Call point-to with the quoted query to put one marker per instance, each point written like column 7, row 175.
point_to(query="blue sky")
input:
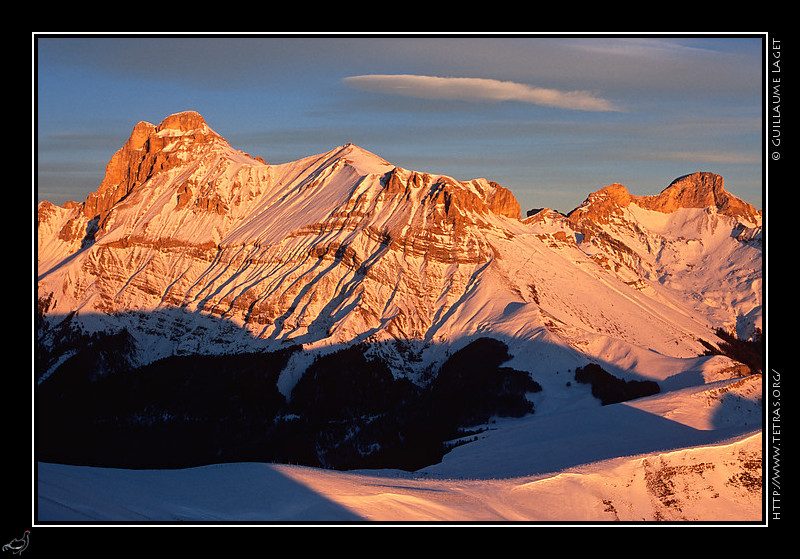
column 551, row 118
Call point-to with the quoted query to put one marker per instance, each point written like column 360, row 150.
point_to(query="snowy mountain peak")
column 364, row 160
column 150, row 150
column 345, row 246
column 204, row 306
column 701, row 190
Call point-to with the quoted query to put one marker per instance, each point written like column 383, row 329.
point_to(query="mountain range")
column 341, row 288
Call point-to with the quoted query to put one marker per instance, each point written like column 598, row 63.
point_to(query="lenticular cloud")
column 477, row 89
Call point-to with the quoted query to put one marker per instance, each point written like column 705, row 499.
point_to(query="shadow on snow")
column 347, row 410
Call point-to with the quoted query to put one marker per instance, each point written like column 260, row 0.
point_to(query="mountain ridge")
column 194, row 197
column 203, row 306
column 701, row 189
column 698, row 189
column 199, row 284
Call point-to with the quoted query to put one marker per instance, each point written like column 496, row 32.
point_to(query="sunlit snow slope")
column 197, row 248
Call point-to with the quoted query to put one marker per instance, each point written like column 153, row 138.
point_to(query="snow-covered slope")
column 344, row 246
column 193, row 247
column 687, row 454
column 709, row 483
column 690, row 454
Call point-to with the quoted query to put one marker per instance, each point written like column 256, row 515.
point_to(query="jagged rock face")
column 697, row 190
column 680, row 238
column 345, row 246
column 700, row 190
column 181, row 219
column 144, row 155
column 600, row 205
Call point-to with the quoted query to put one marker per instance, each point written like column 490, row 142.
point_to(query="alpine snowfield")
column 710, row 482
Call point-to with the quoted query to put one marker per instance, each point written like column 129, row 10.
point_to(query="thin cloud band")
column 477, row 89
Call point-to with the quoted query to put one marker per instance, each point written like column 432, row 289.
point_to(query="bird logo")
column 18, row 545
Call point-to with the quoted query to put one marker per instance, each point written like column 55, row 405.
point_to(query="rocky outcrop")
column 149, row 150
column 478, row 196
column 696, row 190
column 600, row 205
column 122, row 172
column 501, row 201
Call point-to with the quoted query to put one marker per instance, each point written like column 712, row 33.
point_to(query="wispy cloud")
column 478, row 89
column 638, row 47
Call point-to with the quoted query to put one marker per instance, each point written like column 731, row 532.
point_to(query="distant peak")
column 695, row 190
column 702, row 177
column 183, row 122
column 615, row 192
column 351, row 148
column 699, row 190
column 182, row 119
column 363, row 160
column 601, row 204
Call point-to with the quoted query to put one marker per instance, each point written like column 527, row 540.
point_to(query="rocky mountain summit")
column 190, row 248
column 344, row 245
column 697, row 190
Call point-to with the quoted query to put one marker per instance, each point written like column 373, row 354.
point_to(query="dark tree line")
column 176, row 412
column 612, row 390
column 748, row 352
column 346, row 411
